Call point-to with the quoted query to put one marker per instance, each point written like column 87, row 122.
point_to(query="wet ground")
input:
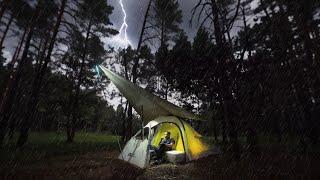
column 105, row 165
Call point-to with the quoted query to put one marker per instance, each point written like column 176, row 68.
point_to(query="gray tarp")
column 145, row 103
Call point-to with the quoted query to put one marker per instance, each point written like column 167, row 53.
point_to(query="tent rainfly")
column 159, row 116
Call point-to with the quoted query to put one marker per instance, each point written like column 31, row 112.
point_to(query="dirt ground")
column 101, row 165
column 264, row 166
column 105, row 165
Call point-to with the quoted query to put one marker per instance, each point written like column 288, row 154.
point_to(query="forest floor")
column 105, row 165
column 102, row 163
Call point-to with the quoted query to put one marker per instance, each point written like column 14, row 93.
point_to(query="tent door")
column 137, row 153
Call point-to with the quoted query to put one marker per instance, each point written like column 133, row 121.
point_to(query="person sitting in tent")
column 166, row 144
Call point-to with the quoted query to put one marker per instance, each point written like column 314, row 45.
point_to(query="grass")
column 48, row 155
column 51, row 145
column 269, row 143
column 44, row 145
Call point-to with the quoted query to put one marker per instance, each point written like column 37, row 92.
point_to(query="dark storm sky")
column 135, row 11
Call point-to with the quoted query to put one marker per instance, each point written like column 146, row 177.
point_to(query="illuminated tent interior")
column 192, row 139
column 175, row 134
column 160, row 116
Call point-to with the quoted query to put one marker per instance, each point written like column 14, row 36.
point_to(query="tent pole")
column 119, row 146
column 142, row 122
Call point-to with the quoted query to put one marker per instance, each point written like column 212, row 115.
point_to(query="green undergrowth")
column 46, row 145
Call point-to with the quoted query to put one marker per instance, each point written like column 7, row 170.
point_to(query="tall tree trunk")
column 223, row 124
column 247, row 45
column 71, row 125
column 128, row 121
column 11, row 71
column 217, row 27
column 70, row 102
column 124, row 120
column 224, row 56
column 142, row 31
column 162, row 35
column 14, row 79
column 43, row 46
column 4, row 5
column 233, row 132
column 27, row 121
column 136, row 62
column 134, row 70
column 213, row 124
column 6, row 31
column 10, row 91
column 305, row 23
column 305, row 28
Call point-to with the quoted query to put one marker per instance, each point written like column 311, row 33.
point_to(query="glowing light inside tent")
column 174, row 133
column 196, row 146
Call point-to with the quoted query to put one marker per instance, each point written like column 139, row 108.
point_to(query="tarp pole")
column 142, row 122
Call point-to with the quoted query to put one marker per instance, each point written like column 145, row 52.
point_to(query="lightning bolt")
column 123, row 30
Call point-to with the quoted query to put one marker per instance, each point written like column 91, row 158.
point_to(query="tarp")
column 145, row 103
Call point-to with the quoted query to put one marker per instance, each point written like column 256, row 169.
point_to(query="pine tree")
column 94, row 19
column 168, row 16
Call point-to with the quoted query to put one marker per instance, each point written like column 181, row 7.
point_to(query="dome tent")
column 159, row 116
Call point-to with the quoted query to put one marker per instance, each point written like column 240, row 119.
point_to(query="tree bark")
column 33, row 101
column 247, row 45
column 15, row 77
column 216, row 23
column 134, row 71
column 124, row 120
column 4, row 6
column 128, row 121
column 11, row 71
column 71, row 125
column 224, row 56
column 10, row 91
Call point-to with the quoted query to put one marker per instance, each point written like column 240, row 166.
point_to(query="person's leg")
column 153, row 152
column 159, row 151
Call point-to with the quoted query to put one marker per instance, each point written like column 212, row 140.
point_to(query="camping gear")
column 160, row 116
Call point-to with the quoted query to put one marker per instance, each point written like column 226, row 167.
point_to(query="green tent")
column 160, row 116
